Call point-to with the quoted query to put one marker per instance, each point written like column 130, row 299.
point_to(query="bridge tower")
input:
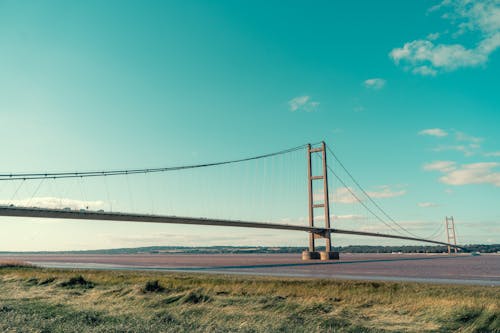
column 324, row 204
column 450, row 233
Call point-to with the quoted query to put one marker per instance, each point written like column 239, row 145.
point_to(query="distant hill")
column 492, row 248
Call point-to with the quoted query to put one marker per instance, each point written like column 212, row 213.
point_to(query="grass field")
column 48, row 300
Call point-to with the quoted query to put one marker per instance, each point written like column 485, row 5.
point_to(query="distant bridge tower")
column 324, row 204
column 450, row 233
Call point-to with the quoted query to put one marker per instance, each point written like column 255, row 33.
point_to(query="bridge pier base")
column 310, row 255
column 329, row 255
column 320, row 255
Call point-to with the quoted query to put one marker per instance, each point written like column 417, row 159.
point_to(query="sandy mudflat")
column 484, row 269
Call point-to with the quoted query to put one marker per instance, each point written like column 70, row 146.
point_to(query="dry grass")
column 101, row 301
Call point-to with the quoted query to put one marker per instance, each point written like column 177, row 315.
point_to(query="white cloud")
column 482, row 15
column 493, row 154
column 348, row 217
column 424, row 70
column 467, row 150
column 294, row 220
column 377, row 228
column 427, row 204
column 433, row 36
column 375, row 84
column 467, row 144
column 303, row 103
column 424, row 57
column 433, row 132
column 474, row 173
column 235, row 238
column 298, row 102
column 413, row 226
column 385, row 191
column 461, row 136
column 442, row 166
column 55, row 203
column 343, row 195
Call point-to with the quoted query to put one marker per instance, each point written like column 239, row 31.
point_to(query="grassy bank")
column 48, row 300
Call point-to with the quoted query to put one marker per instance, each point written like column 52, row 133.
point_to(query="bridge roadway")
column 127, row 217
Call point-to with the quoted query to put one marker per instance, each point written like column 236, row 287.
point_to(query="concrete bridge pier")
column 310, row 255
column 329, row 255
column 320, row 255
column 324, row 205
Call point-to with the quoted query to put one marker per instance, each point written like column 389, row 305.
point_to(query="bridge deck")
column 126, row 217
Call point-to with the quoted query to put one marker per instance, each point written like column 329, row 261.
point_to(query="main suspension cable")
column 361, row 202
column 57, row 175
column 368, row 196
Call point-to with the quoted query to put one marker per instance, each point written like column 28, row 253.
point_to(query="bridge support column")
column 450, row 233
column 325, row 205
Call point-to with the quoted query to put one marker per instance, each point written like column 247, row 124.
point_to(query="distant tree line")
column 483, row 248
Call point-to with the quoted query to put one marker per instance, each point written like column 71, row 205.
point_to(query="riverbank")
column 35, row 299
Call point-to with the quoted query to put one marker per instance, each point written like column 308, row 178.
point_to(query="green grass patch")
column 153, row 287
column 77, row 282
column 50, row 300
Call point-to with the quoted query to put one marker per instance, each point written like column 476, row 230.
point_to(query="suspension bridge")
column 320, row 175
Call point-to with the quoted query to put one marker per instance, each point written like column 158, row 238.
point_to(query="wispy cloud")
column 461, row 142
column 467, row 150
column 433, row 36
column 303, row 103
column 298, row 102
column 55, row 203
column 493, row 154
column 343, row 195
column 427, row 204
column 438, row 132
column 461, row 136
column 375, row 83
column 424, row 70
column 473, row 173
column 442, row 166
column 425, row 57
column 385, row 191
column 183, row 239
column 414, row 226
column 349, row 217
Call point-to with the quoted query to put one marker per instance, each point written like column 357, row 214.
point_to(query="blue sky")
column 406, row 93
